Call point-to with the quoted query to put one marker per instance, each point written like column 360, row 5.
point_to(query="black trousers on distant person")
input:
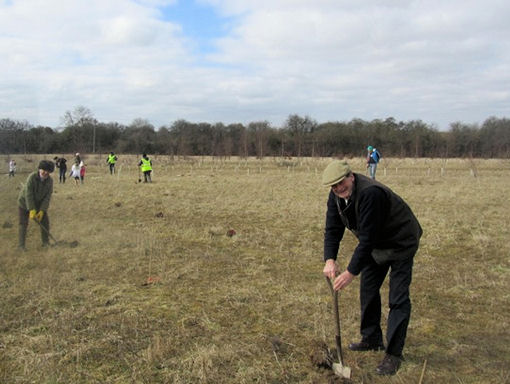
column 62, row 175
column 372, row 277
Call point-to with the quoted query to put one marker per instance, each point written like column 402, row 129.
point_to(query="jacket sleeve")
column 373, row 208
column 45, row 202
column 30, row 192
column 334, row 229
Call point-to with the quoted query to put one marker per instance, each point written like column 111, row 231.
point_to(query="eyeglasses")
column 338, row 184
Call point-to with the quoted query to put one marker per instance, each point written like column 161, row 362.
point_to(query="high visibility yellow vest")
column 111, row 159
column 146, row 165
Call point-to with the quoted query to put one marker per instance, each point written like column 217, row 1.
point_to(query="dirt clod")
column 277, row 344
column 320, row 355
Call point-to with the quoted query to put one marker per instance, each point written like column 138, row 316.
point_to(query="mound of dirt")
column 320, row 355
column 322, row 359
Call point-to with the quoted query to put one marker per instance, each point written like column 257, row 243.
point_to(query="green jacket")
column 36, row 194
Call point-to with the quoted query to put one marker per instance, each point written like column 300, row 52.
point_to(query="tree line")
column 299, row 136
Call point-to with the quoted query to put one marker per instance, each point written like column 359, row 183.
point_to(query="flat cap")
column 335, row 172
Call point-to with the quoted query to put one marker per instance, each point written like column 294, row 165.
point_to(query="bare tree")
column 82, row 118
column 299, row 128
column 261, row 130
column 78, row 117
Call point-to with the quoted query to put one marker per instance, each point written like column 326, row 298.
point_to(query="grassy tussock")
column 245, row 308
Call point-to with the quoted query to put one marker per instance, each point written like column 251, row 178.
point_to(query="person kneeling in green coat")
column 34, row 201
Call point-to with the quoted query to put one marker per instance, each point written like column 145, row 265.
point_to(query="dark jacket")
column 36, row 194
column 61, row 163
column 381, row 220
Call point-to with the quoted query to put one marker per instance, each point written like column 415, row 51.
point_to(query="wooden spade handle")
column 338, row 337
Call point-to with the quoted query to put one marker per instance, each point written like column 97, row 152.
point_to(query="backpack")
column 376, row 155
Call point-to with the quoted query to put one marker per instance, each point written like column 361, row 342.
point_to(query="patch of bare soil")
column 322, row 358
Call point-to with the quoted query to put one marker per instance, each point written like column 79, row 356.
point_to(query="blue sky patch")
column 199, row 22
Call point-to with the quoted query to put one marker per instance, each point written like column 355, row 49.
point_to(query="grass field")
column 157, row 292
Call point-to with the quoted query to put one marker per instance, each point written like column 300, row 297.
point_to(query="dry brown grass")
column 246, row 308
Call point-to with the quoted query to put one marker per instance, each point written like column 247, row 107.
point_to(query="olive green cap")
column 335, row 172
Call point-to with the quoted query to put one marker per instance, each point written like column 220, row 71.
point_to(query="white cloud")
column 334, row 60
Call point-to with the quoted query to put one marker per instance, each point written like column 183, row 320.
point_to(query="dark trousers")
column 23, row 225
column 62, row 175
column 372, row 277
column 112, row 169
column 147, row 176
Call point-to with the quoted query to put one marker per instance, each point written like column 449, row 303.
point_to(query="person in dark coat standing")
column 34, row 201
column 388, row 234
column 61, row 164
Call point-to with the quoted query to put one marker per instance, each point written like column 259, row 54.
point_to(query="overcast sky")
column 251, row 60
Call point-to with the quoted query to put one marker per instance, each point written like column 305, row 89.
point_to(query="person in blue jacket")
column 373, row 158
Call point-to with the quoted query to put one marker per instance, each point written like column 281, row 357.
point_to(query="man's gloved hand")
column 32, row 214
column 39, row 215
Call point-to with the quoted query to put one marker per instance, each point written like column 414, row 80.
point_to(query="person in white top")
column 12, row 168
column 75, row 173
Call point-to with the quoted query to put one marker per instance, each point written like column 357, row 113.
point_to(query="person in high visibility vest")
column 112, row 159
column 146, row 166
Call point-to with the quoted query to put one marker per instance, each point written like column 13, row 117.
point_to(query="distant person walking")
column 112, row 159
column 12, row 168
column 34, row 201
column 388, row 235
column 61, row 164
column 145, row 165
column 373, row 158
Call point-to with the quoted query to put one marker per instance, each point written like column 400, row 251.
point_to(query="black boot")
column 389, row 365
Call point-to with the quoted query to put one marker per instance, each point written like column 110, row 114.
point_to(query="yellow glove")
column 39, row 215
column 32, row 214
